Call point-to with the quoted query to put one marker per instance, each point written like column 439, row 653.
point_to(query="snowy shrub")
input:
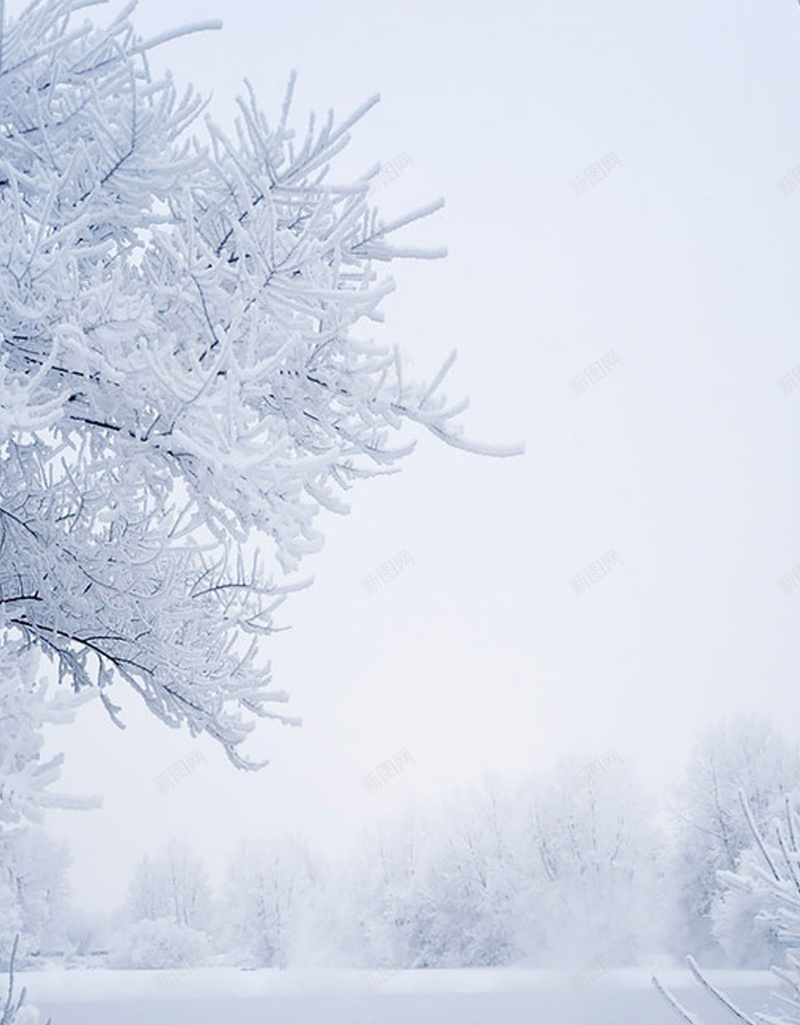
column 84, row 933
column 158, row 944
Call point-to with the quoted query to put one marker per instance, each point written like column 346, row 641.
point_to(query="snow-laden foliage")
column 494, row 875
column 591, row 867
column 28, row 703
column 384, row 907
column 33, row 887
column 533, row 874
column 266, row 889
column 538, row 873
column 179, row 368
column 712, row 832
column 33, row 893
column 748, row 937
column 174, row 886
column 767, row 883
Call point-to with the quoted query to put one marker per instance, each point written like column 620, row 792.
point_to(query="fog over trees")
column 188, row 387
column 542, row 873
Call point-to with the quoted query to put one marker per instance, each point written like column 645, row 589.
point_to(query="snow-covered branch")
column 180, row 381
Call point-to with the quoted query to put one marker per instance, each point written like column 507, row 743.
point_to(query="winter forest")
column 497, row 875
column 224, row 332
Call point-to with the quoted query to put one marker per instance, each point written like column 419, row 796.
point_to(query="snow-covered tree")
column 745, row 754
column 173, row 886
column 767, row 880
column 183, row 384
column 590, row 866
column 33, row 874
column 168, row 913
column 267, row 885
column 32, row 887
column 27, row 705
column 768, row 884
column 471, row 884
column 385, row 902
column 498, row 874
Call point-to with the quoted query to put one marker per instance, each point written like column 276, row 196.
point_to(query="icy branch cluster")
column 26, row 706
column 770, row 878
column 178, row 372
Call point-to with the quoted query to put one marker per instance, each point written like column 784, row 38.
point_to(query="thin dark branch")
column 116, row 660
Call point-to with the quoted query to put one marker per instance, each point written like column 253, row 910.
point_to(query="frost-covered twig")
column 776, row 884
column 15, row 1012
column 675, row 1003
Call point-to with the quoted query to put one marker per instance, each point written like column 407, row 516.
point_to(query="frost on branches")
column 31, row 867
column 767, row 884
column 25, row 708
column 178, row 370
column 15, row 1010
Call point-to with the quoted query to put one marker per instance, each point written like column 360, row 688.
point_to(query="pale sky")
column 684, row 261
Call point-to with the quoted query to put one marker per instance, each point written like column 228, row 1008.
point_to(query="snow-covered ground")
column 226, row 996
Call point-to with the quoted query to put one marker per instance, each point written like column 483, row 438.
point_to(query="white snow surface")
column 231, row 996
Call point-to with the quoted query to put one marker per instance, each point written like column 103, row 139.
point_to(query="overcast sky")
column 683, row 261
